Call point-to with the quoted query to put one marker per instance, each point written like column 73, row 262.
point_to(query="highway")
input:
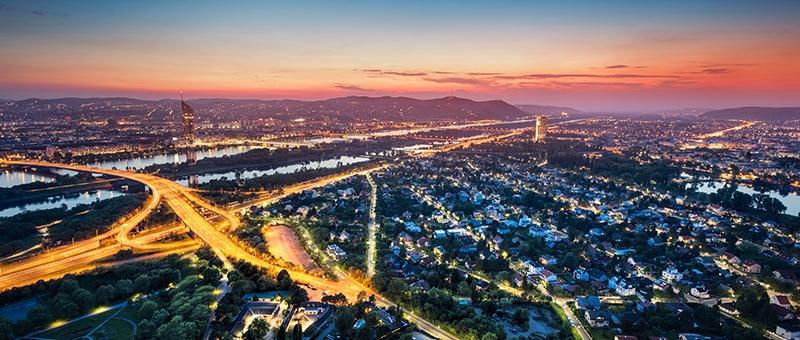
column 86, row 255
column 720, row 133
column 272, row 197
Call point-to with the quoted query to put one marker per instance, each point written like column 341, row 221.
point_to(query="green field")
column 115, row 326
column 115, row 329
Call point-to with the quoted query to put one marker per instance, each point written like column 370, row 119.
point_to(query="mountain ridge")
column 348, row 107
column 755, row 113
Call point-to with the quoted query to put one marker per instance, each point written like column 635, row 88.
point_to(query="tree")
column 297, row 332
column 177, row 329
column 124, row 287
column 83, row 298
column 147, row 310
column 39, row 315
column 344, row 321
column 364, row 333
column 741, row 201
column 160, row 316
column 64, row 307
column 105, row 294
column 5, row 329
column 257, row 330
column 520, row 317
column 489, row 308
column 281, row 334
column 339, row 299
column 146, row 330
column 68, row 286
column 753, row 302
column 569, row 261
column 299, row 296
column 284, row 280
column 142, row 283
column 489, row 336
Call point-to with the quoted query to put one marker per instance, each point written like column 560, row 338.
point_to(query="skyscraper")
column 188, row 120
column 541, row 129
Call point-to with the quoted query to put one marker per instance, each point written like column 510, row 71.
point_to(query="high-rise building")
column 541, row 129
column 188, row 120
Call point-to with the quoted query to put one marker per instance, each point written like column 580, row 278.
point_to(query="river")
column 57, row 201
column 288, row 169
column 10, row 178
column 175, row 157
column 791, row 201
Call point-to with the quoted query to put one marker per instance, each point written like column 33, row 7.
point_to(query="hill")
column 548, row 110
column 755, row 113
column 343, row 108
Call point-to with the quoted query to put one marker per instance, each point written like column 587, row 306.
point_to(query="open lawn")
column 115, row 328
column 111, row 324
column 77, row 328
column 18, row 310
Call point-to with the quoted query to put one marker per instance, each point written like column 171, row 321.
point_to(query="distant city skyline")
column 610, row 56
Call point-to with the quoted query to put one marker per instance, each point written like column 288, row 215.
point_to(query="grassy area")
column 117, row 329
column 129, row 313
column 114, row 328
column 78, row 328
column 564, row 320
column 18, row 310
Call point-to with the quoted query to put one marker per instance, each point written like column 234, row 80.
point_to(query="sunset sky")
column 598, row 55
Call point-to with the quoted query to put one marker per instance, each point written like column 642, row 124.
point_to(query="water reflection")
column 791, row 200
column 247, row 174
column 58, row 201
column 10, row 178
column 177, row 157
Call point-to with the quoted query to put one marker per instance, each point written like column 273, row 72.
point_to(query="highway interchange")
column 191, row 210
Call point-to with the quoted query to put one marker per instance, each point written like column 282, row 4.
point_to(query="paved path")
column 32, row 335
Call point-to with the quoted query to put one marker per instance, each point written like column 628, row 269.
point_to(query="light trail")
column 371, row 227
column 720, row 133
column 85, row 255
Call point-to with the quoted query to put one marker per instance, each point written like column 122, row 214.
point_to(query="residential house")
column 590, row 302
column 729, row 308
column 788, row 331
column 671, row 275
column 752, row 267
column 784, row 275
column 596, row 318
column 337, row 253
column 781, row 300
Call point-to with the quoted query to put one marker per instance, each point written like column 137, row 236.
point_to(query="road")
column 272, row 197
column 371, row 227
column 720, row 133
column 185, row 204
column 422, row 324
column 561, row 302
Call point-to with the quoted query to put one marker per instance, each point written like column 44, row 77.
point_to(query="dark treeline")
column 269, row 158
column 101, row 216
column 221, row 191
column 19, row 190
column 20, row 231
column 74, row 296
